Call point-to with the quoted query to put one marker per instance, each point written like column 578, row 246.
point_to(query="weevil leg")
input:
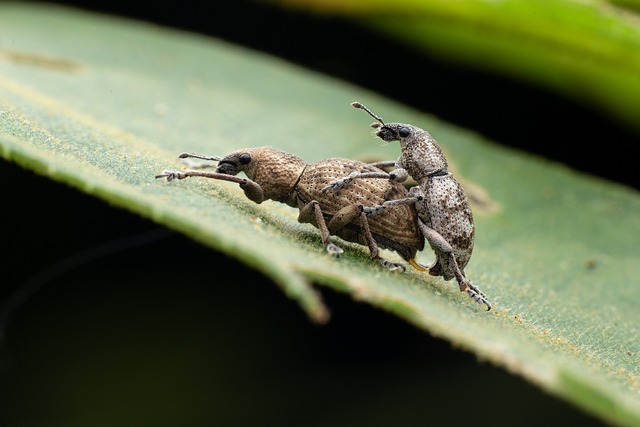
column 342, row 182
column 312, row 214
column 384, row 164
column 373, row 248
column 251, row 189
column 353, row 212
column 397, row 175
column 445, row 254
column 478, row 296
column 472, row 290
column 339, row 183
column 375, row 210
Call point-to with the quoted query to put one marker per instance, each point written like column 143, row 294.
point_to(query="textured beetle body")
column 446, row 219
column 284, row 177
column 451, row 217
column 384, row 227
column 444, row 207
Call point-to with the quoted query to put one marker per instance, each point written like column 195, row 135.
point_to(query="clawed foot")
column 478, row 296
column 334, row 250
column 339, row 183
column 392, row 266
column 171, row 175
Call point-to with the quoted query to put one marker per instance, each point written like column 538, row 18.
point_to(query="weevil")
column 273, row 174
column 446, row 219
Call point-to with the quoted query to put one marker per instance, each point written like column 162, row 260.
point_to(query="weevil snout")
column 227, row 168
column 393, row 131
column 234, row 163
column 386, row 134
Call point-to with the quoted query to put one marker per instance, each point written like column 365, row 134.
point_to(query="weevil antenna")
column 362, row 107
column 199, row 156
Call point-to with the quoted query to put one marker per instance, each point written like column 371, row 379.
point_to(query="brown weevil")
column 446, row 220
column 284, row 177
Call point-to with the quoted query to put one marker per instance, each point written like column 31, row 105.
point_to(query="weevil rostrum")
column 277, row 175
column 446, row 219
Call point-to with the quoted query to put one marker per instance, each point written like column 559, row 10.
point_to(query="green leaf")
column 556, row 251
column 585, row 50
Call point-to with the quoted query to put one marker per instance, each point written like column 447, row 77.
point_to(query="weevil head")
column 234, row 163
column 397, row 132
column 392, row 131
column 421, row 154
column 274, row 170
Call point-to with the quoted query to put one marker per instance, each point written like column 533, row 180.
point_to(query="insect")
column 446, row 220
column 284, row 177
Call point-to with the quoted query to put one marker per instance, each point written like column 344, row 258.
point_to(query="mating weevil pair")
column 276, row 175
column 375, row 209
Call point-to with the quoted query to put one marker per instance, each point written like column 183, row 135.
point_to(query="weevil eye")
column 404, row 132
column 244, row 158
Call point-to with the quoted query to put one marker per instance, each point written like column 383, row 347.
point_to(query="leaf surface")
column 556, row 251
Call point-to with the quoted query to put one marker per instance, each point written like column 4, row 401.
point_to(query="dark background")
column 108, row 341
column 506, row 111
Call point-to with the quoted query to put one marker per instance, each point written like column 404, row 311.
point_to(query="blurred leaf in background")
column 472, row 60
column 587, row 50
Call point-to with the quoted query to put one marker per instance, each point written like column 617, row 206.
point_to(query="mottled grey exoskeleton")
column 446, row 220
column 286, row 178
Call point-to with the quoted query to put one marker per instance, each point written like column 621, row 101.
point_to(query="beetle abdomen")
column 394, row 229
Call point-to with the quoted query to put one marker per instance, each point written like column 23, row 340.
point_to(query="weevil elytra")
column 446, row 219
column 284, row 177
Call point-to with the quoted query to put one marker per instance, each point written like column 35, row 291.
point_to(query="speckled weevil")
column 286, row 178
column 446, row 220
